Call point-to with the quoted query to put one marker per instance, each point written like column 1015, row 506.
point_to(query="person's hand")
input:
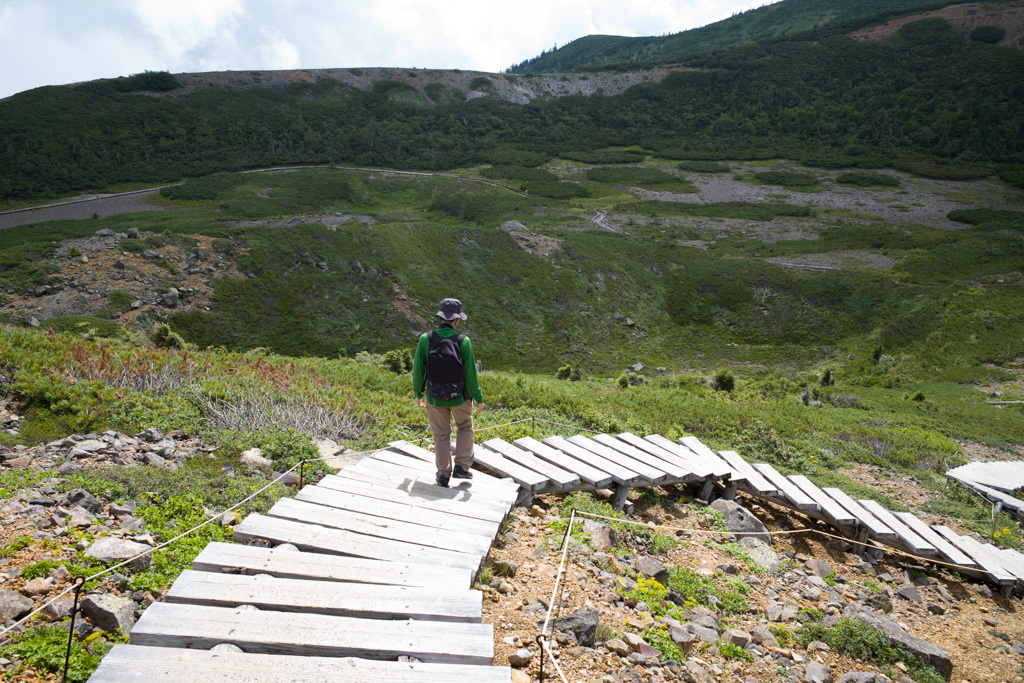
column 421, row 402
column 479, row 408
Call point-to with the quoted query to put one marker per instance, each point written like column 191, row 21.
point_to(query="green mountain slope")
column 834, row 101
column 771, row 21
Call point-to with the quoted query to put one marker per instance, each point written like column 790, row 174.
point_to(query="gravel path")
column 101, row 206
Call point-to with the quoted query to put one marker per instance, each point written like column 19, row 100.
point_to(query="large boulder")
column 13, row 605
column 582, row 624
column 602, row 536
column 112, row 613
column 738, row 519
column 651, row 568
column 761, row 553
column 111, row 549
column 83, row 498
column 929, row 653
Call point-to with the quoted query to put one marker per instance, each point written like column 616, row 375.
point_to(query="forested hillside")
column 923, row 97
column 770, row 21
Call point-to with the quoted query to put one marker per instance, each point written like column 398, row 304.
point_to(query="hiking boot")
column 442, row 480
column 460, row 473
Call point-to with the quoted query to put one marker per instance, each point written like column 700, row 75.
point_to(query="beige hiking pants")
column 441, row 425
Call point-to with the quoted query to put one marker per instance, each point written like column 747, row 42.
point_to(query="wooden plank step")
column 750, row 477
column 531, row 480
column 1007, row 477
column 830, row 508
column 507, row 486
column 1006, row 560
column 456, row 500
column 563, row 478
column 380, row 527
column 142, row 664
column 320, row 539
column 907, row 536
column 363, row 600
column 591, row 475
column 231, row 558
column 786, row 488
column 398, row 511
column 650, row 475
column 426, row 456
column 494, row 488
column 683, row 458
column 675, row 472
column 876, row 527
column 428, row 488
column 620, row 474
column 1009, row 502
column 720, row 468
column 977, row 553
column 288, row 633
column 703, row 464
column 946, row 549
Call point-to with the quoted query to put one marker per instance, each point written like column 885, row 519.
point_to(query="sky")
column 53, row 42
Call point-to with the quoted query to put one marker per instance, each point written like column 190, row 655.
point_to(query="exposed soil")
column 101, row 206
column 965, row 18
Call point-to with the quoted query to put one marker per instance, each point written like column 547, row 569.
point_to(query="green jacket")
column 419, row 369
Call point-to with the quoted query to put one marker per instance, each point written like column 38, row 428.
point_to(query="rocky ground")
column 966, row 632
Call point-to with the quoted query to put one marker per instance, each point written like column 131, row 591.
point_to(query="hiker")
column 444, row 381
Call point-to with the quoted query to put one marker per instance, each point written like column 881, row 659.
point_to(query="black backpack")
column 445, row 378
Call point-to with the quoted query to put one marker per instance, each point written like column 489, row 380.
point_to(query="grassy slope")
column 770, row 21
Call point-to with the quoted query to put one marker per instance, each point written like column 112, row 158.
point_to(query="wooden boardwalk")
column 373, row 566
column 996, row 481
column 365, row 576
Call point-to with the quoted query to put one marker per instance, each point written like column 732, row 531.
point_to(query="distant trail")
column 112, row 204
column 600, row 219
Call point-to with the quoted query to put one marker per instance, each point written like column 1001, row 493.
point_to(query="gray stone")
column 151, row 255
column 582, row 624
column 817, row 672
column 520, row 658
column 931, row 654
column 84, row 499
column 909, row 593
column 602, row 536
column 618, row 647
column 819, row 568
column 762, row 636
column 133, row 233
column 67, row 468
column 37, row 586
column 860, row 677
column 683, row 638
column 740, row 520
column 936, row 609
column 1017, row 648
column 110, row 549
column 112, row 613
column 761, row 553
column 705, row 634
column 13, row 605
column 513, row 226
column 652, row 568
column 254, row 458
column 737, row 637
column 60, row 609
column 105, row 232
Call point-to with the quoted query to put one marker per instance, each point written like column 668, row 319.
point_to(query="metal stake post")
column 79, row 582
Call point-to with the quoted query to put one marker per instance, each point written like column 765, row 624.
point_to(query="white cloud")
column 276, row 51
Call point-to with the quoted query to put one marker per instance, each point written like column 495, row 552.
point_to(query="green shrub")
column 703, row 167
column 525, row 173
column 866, row 179
column 435, row 91
column 986, row 216
column 207, row 187
column 786, row 178
column 657, row 637
column 632, row 175
column 988, row 34
column 605, row 156
column 1013, row 177
column 289, row 447
column 132, row 245
column 481, row 83
column 723, row 381
column 930, row 169
column 570, row 372
column 165, row 337
column 222, row 245
column 43, row 648
column 556, row 190
column 84, row 325
column 744, row 210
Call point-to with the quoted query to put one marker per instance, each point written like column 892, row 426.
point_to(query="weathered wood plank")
column 428, row 457
column 342, row 542
column 786, row 488
column 946, row 549
column 997, row 574
column 232, row 558
column 702, row 463
column 591, row 475
column 1006, row 560
column 528, row 479
column 198, row 626
column 380, row 527
column 681, row 457
column 907, row 536
column 720, row 468
column 876, row 527
column 505, row 487
column 563, row 478
column 676, row 473
column 620, row 474
column 1009, row 502
column 649, row 475
column 829, row 507
column 374, row 467
column 481, row 500
column 363, row 600
column 398, row 511
column 457, row 500
column 142, row 664
column 752, row 479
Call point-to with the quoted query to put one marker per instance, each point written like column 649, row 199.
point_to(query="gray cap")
column 451, row 309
